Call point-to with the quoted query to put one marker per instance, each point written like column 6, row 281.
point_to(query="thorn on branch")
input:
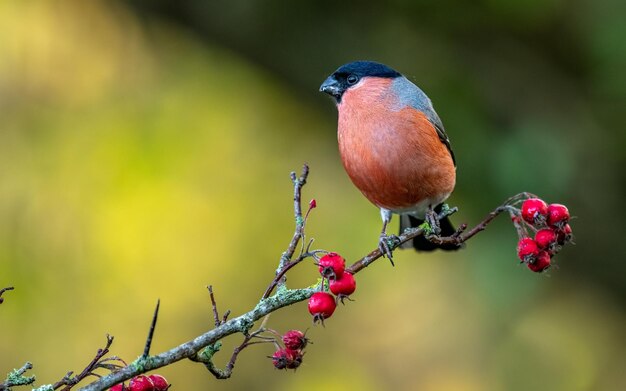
column 146, row 349
column 9, row 288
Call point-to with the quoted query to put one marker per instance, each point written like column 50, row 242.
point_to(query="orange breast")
column 394, row 157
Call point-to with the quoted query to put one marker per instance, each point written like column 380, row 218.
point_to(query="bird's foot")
column 433, row 222
column 386, row 244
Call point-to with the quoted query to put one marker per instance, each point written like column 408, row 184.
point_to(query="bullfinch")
column 393, row 147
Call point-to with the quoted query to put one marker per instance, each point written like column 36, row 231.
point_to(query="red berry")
column 118, row 387
column 331, row 265
column 564, row 235
column 160, row 383
column 527, row 249
column 296, row 359
column 295, row 340
column 321, row 306
column 344, row 285
column 558, row 215
column 280, row 358
column 546, row 239
column 287, row 358
column 535, row 211
column 541, row 263
column 141, row 383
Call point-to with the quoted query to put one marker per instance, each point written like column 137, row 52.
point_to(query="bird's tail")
column 420, row 243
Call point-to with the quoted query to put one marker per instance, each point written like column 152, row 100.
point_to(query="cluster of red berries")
column 341, row 283
column 290, row 357
column 143, row 383
column 552, row 232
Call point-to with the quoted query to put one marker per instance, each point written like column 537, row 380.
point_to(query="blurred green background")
column 145, row 149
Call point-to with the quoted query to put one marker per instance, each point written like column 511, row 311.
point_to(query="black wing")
column 444, row 138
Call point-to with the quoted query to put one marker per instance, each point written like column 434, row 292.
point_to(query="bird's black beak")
column 332, row 87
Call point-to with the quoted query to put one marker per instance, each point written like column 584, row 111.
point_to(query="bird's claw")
column 386, row 244
column 433, row 222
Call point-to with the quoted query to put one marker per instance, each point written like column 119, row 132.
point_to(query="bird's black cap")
column 349, row 74
column 367, row 68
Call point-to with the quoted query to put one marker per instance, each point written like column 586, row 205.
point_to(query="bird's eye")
column 352, row 79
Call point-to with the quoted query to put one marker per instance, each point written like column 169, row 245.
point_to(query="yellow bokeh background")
column 138, row 162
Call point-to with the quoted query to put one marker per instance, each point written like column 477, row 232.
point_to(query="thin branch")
column 285, row 269
column 298, row 183
column 216, row 315
column 247, row 341
column 68, row 381
column 462, row 238
column 16, row 378
column 285, row 260
column 225, row 317
column 457, row 238
column 505, row 207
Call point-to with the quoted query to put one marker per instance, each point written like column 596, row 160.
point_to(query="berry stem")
column 519, row 224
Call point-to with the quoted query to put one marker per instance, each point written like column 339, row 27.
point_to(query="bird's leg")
column 386, row 243
column 433, row 222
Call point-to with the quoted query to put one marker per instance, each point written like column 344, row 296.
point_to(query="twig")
column 214, row 305
column 225, row 317
column 285, row 260
column 247, row 341
column 286, row 268
column 68, row 381
column 457, row 238
column 216, row 316
column 9, row 288
column 298, row 183
column 16, row 378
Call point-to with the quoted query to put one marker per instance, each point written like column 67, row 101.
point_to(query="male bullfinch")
column 393, row 147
